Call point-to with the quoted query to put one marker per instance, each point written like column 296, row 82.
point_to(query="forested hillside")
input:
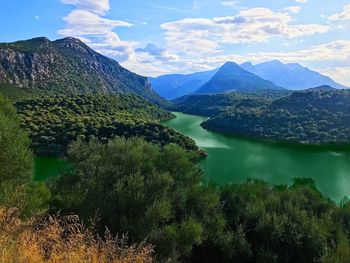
column 28, row 233
column 212, row 104
column 67, row 66
column 158, row 197
column 55, row 121
column 316, row 116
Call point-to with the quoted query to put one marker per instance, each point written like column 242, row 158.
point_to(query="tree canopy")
column 141, row 189
column 16, row 165
column 315, row 116
column 53, row 122
column 157, row 194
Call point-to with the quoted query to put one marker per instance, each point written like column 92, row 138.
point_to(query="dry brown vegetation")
column 55, row 239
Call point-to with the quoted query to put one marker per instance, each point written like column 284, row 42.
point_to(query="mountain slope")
column 231, row 77
column 315, row 116
column 67, row 66
column 290, row 76
column 210, row 105
column 173, row 86
column 55, row 121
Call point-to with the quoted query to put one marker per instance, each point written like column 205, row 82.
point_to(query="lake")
column 232, row 160
column 46, row 167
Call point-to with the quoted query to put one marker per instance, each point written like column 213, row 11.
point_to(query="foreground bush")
column 16, row 166
column 157, row 194
column 62, row 240
column 141, row 189
column 16, row 160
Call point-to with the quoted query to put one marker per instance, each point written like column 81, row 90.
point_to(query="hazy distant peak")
column 273, row 62
column 291, row 76
column 230, row 64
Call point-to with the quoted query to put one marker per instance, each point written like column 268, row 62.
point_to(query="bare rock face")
column 67, row 66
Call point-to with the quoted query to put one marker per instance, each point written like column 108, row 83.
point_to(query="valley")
column 235, row 160
column 233, row 166
column 318, row 116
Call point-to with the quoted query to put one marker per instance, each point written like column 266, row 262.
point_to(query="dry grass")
column 56, row 239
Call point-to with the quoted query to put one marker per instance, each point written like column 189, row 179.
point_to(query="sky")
column 159, row 37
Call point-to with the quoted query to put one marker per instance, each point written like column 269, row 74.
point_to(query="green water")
column 46, row 167
column 232, row 159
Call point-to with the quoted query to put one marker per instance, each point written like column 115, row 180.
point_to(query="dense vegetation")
column 27, row 233
column 156, row 194
column 14, row 93
column 16, row 166
column 140, row 189
column 315, row 116
column 55, row 121
column 212, row 105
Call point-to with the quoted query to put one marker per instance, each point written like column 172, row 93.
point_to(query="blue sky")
column 182, row 36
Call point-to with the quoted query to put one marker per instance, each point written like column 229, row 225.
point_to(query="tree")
column 16, row 166
column 16, row 160
column 141, row 189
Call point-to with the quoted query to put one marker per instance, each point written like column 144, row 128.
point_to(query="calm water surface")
column 46, row 167
column 232, row 159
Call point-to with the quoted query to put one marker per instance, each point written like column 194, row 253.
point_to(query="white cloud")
column 95, row 6
column 87, row 23
column 293, row 9
column 37, row 17
column 84, row 23
column 335, row 52
column 342, row 16
column 193, row 44
column 203, row 35
column 158, row 53
column 332, row 59
column 302, row 1
column 229, row 3
column 340, row 74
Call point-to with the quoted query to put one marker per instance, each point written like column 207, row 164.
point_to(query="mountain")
column 290, row 76
column 173, row 86
column 231, row 77
column 67, row 66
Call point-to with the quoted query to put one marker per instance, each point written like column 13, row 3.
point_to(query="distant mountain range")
column 67, row 66
column 231, row 77
column 270, row 75
column 290, row 76
column 176, row 85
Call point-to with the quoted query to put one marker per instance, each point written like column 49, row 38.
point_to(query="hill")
column 173, row 86
column 67, row 66
column 314, row 116
column 210, row 105
column 53, row 122
column 231, row 77
column 290, row 76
